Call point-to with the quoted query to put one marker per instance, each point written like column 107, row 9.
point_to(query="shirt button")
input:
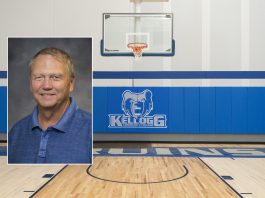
column 42, row 153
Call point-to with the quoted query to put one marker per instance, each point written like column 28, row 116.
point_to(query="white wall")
column 209, row 34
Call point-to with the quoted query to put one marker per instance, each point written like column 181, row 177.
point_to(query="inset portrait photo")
column 50, row 100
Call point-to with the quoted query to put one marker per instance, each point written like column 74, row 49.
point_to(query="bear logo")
column 137, row 104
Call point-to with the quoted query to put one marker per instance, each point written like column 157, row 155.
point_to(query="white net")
column 137, row 49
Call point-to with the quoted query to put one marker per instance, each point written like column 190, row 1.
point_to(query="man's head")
column 51, row 77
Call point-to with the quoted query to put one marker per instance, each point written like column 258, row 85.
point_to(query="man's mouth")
column 47, row 94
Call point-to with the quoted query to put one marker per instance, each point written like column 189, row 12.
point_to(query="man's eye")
column 38, row 78
column 55, row 78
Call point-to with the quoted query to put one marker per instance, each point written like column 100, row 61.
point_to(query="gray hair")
column 59, row 55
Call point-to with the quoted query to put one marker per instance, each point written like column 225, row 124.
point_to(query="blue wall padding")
column 179, row 74
column 202, row 110
column 239, row 109
column 223, row 109
column 3, row 109
column 207, row 113
column 255, row 110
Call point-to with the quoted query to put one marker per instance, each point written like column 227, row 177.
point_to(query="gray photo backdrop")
column 21, row 50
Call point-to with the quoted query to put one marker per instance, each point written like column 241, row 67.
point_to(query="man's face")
column 50, row 82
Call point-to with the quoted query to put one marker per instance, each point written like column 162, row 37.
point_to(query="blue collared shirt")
column 68, row 141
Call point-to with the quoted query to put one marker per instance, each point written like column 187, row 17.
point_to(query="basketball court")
column 178, row 100
column 128, row 170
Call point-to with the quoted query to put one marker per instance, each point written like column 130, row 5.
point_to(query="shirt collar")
column 63, row 124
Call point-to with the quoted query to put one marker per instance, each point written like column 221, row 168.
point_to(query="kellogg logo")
column 136, row 108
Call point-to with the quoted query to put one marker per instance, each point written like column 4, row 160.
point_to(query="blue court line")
column 223, row 152
column 227, row 177
column 179, row 75
column 3, row 74
column 183, row 152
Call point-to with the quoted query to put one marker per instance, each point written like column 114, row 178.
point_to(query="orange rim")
column 137, row 45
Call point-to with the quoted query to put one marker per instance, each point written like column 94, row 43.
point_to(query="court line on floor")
column 47, row 182
column 152, row 182
column 220, row 178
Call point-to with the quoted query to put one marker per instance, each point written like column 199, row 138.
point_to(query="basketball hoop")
column 137, row 49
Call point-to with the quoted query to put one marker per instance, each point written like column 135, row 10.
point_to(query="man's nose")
column 47, row 84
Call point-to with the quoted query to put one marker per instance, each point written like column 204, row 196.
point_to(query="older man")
column 57, row 131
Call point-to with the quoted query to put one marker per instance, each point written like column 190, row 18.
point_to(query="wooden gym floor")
column 131, row 174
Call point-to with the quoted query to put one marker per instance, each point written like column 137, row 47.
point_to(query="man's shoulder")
column 23, row 122
column 82, row 118
column 82, row 114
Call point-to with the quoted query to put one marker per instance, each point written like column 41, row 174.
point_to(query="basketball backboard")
column 154, row 29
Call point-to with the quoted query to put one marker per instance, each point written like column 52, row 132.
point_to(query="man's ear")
column 72, row 84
